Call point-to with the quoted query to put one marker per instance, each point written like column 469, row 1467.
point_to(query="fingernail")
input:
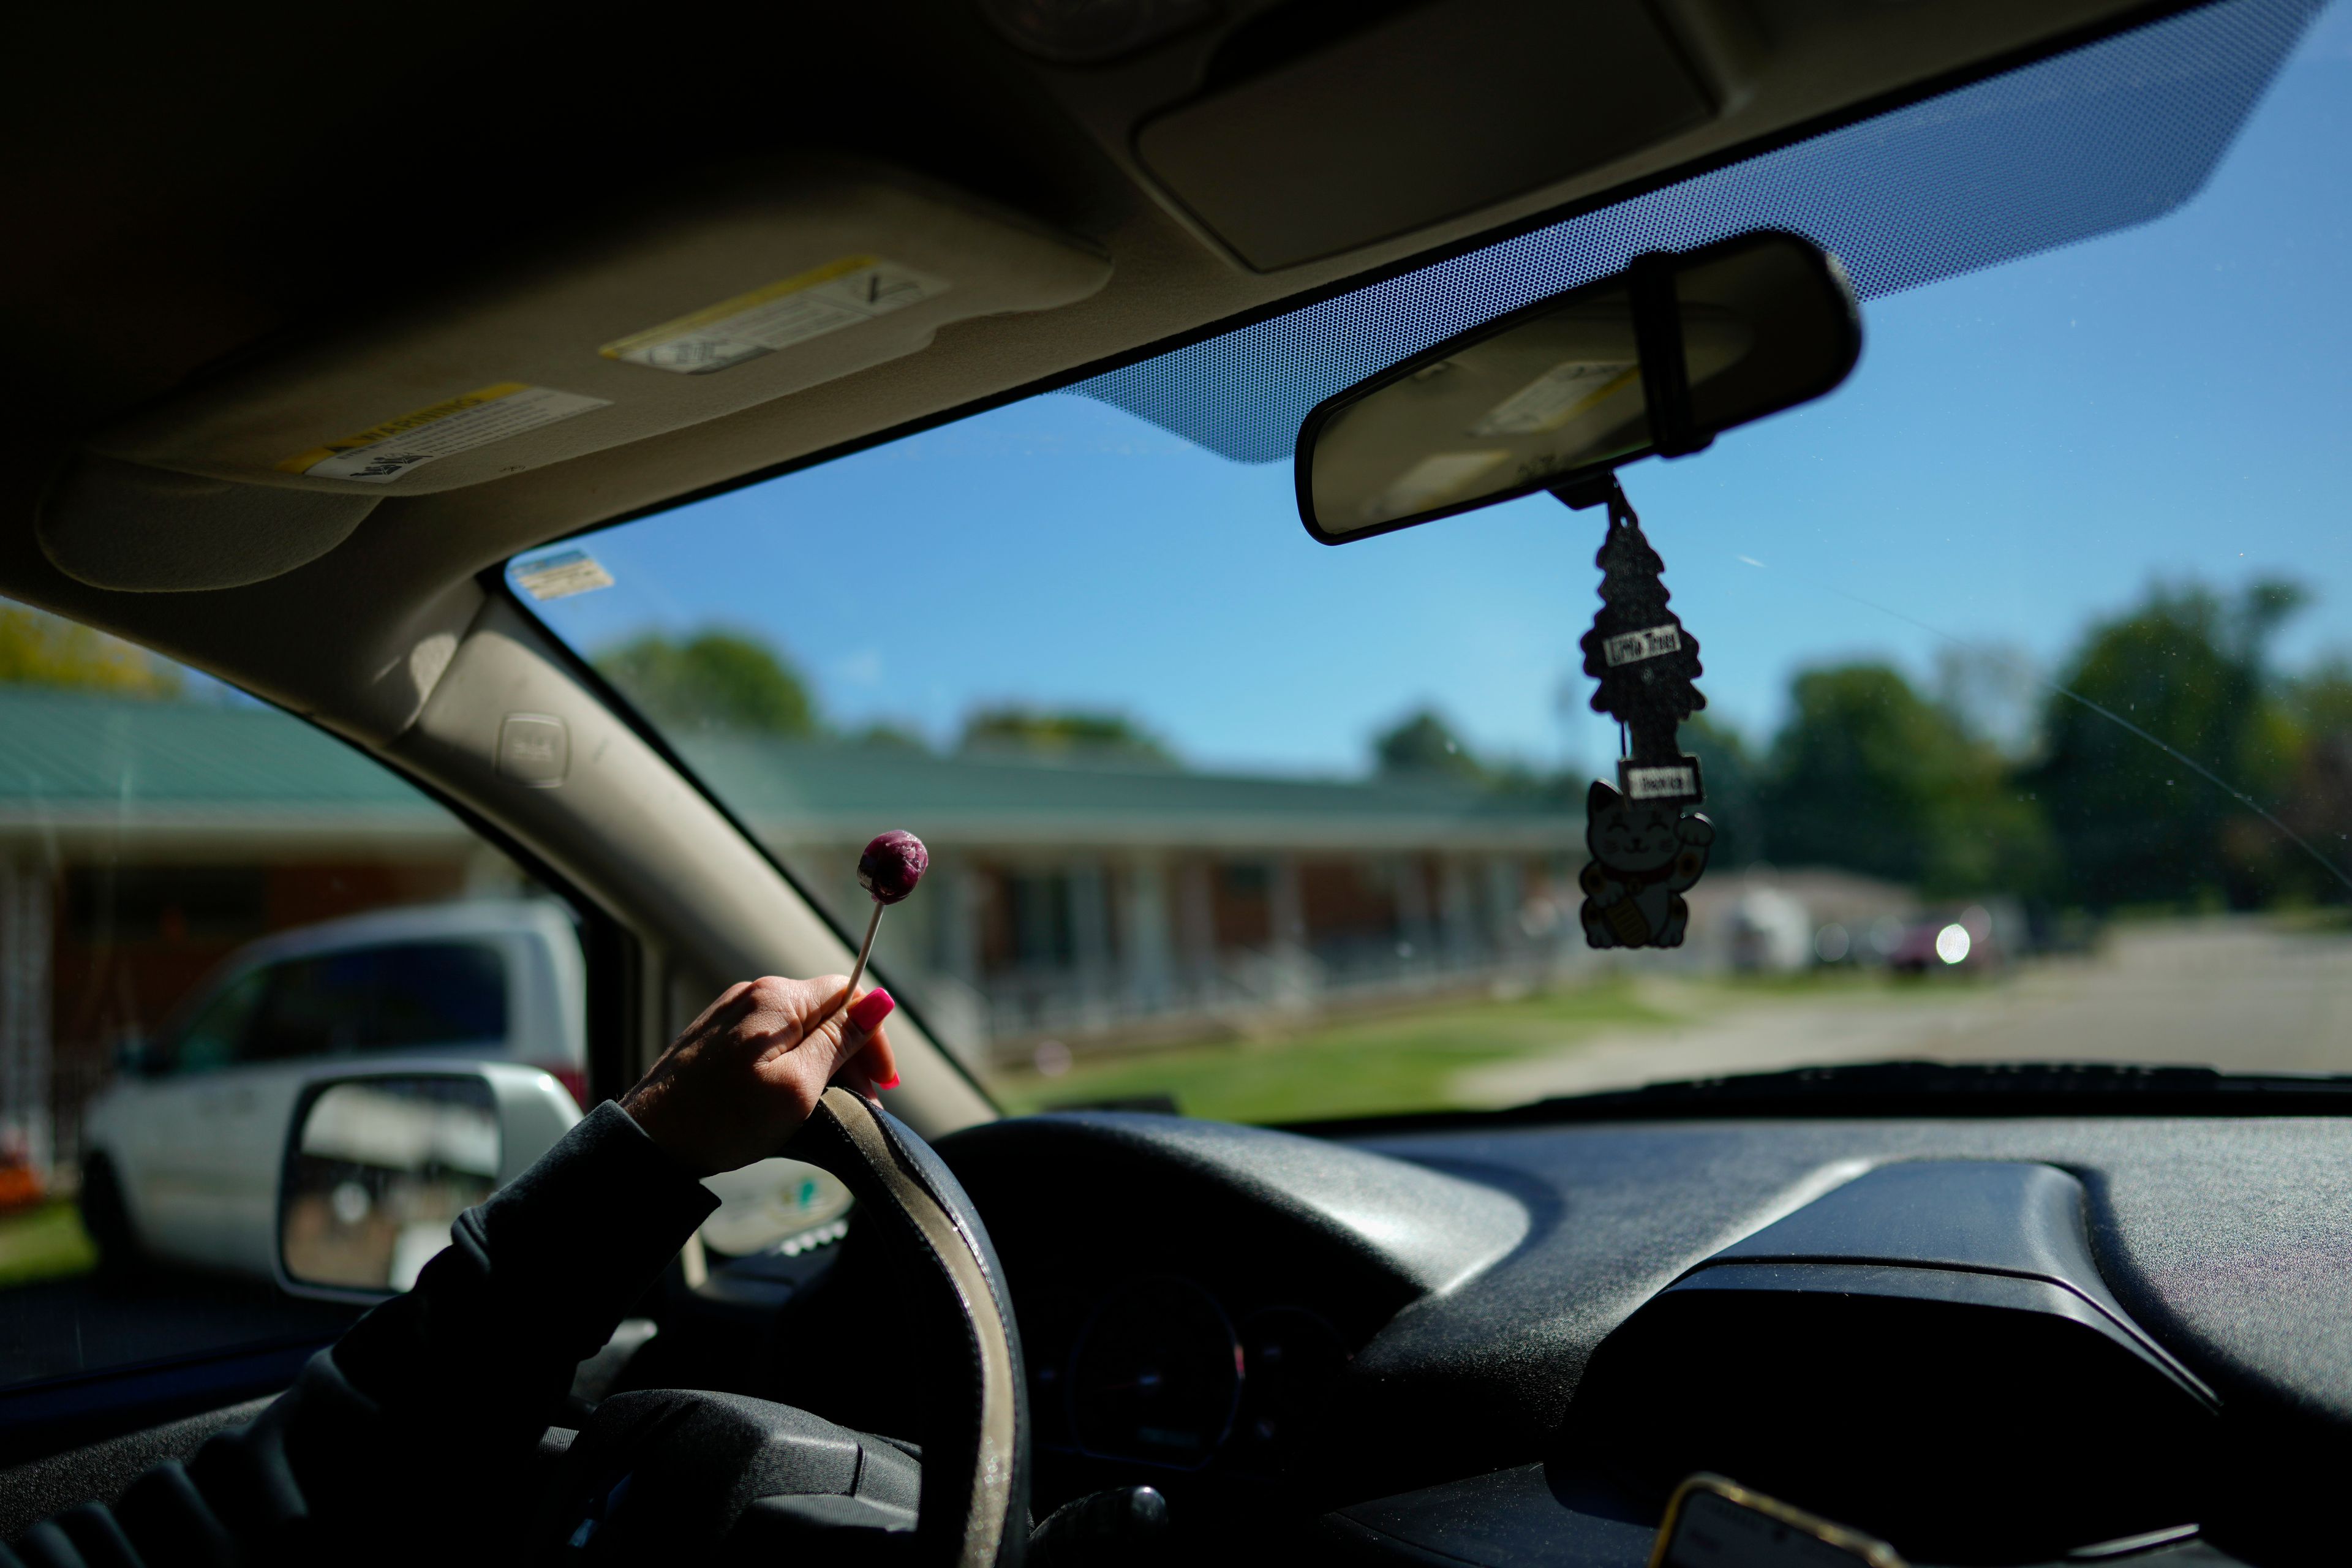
column 871, row 1009
column 892, row 1083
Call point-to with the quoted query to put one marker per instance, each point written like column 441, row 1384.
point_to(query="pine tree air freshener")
column 1648, row 848
column 1656, row 359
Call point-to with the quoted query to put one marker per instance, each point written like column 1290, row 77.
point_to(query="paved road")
column 2235, row 993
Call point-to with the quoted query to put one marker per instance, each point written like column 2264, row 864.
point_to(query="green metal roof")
column 76, row 757
column 70, row 748
column 809, row 791
column 83, row 772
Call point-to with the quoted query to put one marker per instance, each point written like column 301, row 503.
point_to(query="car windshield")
column 2028, row 658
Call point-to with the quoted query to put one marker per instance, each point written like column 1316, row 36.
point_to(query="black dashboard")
column 1193, row 1295
column 1988, row 1341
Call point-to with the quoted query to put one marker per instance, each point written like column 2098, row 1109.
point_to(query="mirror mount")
column 1591, row 490
column 1665, row 364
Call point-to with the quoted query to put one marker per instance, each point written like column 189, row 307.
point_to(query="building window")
column 1041, row 934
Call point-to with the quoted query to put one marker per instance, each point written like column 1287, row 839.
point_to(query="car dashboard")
column 1192, row 1304
column 1984, row 1340
column 1987, row 1339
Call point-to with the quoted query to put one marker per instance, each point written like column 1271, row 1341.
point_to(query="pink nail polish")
column 871, row 1009
column 893, row 1083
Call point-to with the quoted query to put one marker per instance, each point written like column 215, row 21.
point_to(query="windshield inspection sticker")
column 824, row 300
column 382, row 453
column 560, row 575
column 1556, row 396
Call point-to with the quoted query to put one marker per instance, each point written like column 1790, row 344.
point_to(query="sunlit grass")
column 1401, row 1060
column 43, row 1242
column 1410, row 1058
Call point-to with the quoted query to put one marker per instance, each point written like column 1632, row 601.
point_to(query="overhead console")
column 1286, row 131
column 1291, row 153
column 1289, row 132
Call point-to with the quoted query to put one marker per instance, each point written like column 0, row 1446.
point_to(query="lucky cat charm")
column 1645, row 854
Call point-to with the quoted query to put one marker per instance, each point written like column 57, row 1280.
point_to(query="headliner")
column 194, row 190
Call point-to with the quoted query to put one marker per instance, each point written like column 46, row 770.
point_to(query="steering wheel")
column 670, row 1475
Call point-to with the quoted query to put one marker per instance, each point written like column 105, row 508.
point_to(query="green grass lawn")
column 1402, row 1060
column 43, row 1242
column 1407, row 1059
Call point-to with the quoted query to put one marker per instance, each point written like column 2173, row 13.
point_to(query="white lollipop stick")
column 864, row 951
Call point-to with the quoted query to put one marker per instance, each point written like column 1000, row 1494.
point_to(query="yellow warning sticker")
column 822, row 299
column 382, row 453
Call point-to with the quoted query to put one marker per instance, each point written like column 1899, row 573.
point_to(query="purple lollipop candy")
column 892, row 864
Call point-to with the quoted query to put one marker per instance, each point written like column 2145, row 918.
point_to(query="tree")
column 715, row 679
column 2297, row 760
column 1423, row 745
column 1869, row 775
column 883, row 735
column 2184, row 669
column 1733, row 782
column 1062, row 733
column 40, row 650
column 1992, row 693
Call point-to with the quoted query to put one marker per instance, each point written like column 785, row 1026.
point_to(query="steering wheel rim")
column 974, row 1511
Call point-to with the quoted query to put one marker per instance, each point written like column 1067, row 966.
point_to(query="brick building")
column 1093, row 897
column 142, row 842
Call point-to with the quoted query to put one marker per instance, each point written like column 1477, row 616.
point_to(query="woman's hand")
column 743, row 1076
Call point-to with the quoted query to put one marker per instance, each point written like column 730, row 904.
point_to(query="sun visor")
column 672, row 316
column 139, row 530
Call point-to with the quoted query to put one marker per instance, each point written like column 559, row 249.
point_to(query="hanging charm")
column 1647, row 849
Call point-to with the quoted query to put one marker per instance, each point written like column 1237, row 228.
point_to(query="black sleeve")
column 416, row 1428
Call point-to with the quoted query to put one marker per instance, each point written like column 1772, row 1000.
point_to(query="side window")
column 216, row 1036
column 200, row 899
column 439, row 993
column 399, row 997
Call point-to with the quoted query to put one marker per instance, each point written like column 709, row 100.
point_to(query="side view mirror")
column 378, row 1165
column 1654, row 361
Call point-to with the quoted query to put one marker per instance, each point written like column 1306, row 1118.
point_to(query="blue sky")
column 2020, row 452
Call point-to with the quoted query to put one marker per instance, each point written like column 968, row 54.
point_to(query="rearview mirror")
column 1657, row 359
column 378, row 1167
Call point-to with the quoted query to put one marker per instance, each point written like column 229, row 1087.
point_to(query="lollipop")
column 893, row 863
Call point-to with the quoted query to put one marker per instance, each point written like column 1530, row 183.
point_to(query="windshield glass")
column 2028, row 669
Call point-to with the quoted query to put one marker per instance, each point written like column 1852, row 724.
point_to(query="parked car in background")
column 1768, row 930
column 183, row 1150
column 1967, row 940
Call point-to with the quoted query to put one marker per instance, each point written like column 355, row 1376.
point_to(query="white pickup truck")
column 183, row 1151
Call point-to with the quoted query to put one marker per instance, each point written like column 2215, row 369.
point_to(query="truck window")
column 216, row 1035
column 404, row 996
